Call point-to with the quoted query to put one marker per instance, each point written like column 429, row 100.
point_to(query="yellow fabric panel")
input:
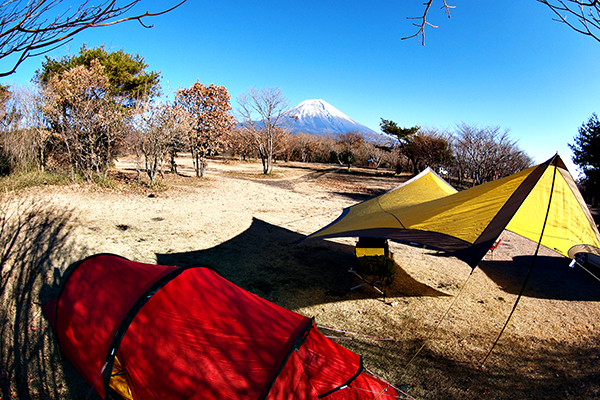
column 366, row 215
column 427, row 203
column 371, row 214
column 118, row 380
column 424, row 187
column 369, row 252
column 462, row 214
column 568, row 221
column 465, row 214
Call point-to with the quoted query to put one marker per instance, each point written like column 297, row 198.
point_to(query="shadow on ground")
column 34, row 239
column 551, row 278
column 269, row 261
column 514, row 371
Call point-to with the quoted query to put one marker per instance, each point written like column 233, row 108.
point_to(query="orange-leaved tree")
column 211, row 120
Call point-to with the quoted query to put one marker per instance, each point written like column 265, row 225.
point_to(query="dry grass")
column 246, row 225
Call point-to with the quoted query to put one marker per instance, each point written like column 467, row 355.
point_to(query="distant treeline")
column 86, row 110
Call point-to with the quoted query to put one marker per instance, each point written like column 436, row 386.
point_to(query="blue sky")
column 504, row 64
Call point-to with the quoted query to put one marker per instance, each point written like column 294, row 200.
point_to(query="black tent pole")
column 528, row 273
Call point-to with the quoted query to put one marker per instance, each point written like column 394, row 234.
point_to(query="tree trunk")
column 203, row 165
column 265, row 164
column 42, row 160
column 197, row 164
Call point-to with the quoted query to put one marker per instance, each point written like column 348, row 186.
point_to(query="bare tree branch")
column 586, row 15
column 263, row 116
column 423, row 20
column 26, row 31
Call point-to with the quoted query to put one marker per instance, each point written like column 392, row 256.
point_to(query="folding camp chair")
column 374, row 264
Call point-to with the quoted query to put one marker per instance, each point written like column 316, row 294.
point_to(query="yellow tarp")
column 427, row 210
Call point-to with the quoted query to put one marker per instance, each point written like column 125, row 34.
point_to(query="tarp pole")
column 528, row 272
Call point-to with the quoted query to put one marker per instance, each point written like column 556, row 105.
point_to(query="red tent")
column 161, row 332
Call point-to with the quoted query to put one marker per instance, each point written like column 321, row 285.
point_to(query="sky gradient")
column 504, row 64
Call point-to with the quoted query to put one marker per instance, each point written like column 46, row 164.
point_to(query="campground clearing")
column 246, row 225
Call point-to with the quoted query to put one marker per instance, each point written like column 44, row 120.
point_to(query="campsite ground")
column 246, row 225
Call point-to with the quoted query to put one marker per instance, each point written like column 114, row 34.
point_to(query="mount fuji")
column 320, row 117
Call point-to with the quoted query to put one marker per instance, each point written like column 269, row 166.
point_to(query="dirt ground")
column 246, row 226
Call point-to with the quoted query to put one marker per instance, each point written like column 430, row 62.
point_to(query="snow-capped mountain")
column 319, row 117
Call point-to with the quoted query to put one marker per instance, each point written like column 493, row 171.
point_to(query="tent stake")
column 528, row 272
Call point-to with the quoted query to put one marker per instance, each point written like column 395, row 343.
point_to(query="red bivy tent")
column 149, row 331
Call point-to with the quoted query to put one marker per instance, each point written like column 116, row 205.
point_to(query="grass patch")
column 115, row 180
column 22, row 181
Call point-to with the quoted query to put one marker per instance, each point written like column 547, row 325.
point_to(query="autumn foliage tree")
column 89, row 99
column 129, row 80
column 211, row 120
column 349, row 143
column 430, row 148
column 80, row 109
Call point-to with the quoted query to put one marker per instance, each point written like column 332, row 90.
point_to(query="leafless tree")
column 264, row 122
column 423, row 20
column 81, row 110
column 306, row 146
column 31, row 28
column 158, row 128
column 377, row 154
column 585, row 15
column 485, row 154
column 212, row 122
column 8, row 114
column 23, row 138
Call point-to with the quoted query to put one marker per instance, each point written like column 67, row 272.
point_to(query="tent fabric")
column 188, row 333
column 466, row 224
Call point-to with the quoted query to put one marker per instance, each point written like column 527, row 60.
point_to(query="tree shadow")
column 548, row 370
column 551, row 278
column 34, row 238
column 269, row 261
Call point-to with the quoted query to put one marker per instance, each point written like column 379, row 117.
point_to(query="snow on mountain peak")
column 317, row 116
column 317, row 108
